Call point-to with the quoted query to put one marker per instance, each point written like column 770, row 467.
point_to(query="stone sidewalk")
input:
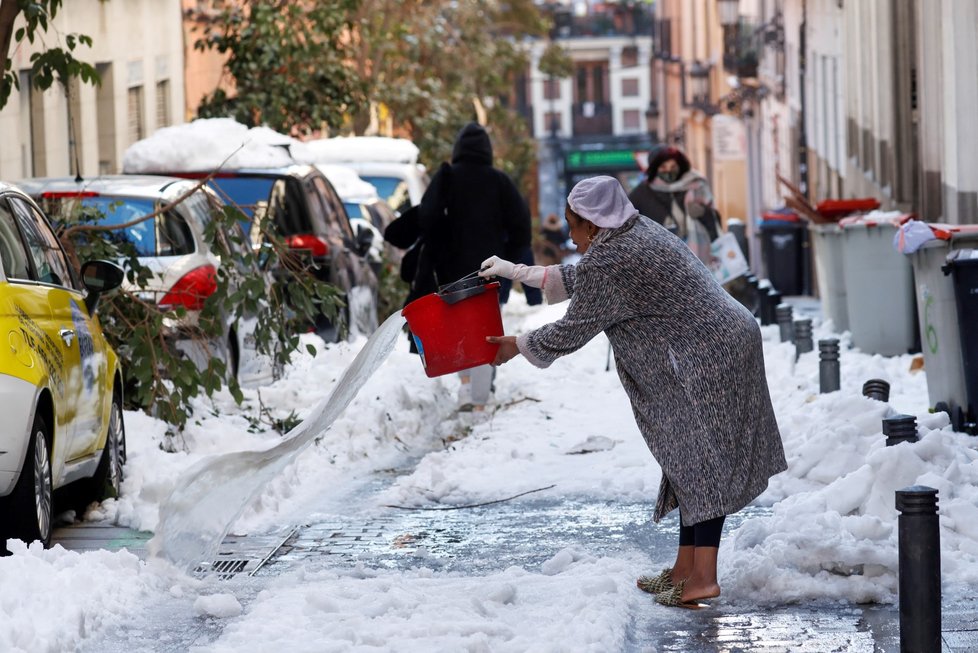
column 526, row 533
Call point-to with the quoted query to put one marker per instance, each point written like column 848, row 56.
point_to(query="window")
column 335, row 213
column 135, row 113
column 551, row 89
column 165, row 235
column 552, row 121
column 629, row 87
column 631, row 119
column 629, row 57
column 163, row 103
column 12, row 253
column 49, row 261
column 599, row 85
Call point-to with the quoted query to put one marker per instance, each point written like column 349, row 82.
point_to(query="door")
column 67, row 335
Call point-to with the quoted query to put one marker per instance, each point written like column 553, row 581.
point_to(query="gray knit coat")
column 689, row 356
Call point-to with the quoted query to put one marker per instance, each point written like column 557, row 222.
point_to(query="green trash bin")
column 937, row 319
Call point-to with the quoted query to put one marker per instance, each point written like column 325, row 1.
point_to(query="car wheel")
column 107, row 482
column 31, row 503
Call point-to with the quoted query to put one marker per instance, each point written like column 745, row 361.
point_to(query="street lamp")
column 729, row 12
column 652, row 120
column 699, row 82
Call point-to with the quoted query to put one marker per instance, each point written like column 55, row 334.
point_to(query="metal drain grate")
column 243, row 554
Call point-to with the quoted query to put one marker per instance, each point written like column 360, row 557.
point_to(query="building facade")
column 597, row 120
column 85, row 129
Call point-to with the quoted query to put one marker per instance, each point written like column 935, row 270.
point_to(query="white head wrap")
column 602, row 201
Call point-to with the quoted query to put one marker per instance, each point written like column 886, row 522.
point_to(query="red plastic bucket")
column 450, row 328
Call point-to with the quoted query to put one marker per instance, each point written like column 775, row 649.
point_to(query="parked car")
column 389, row 164
column 309, row 215
column 60, row 381
column 365, row 209
column 173, row 246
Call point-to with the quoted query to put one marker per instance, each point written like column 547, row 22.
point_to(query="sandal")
column 656, row 584
column 672, row 598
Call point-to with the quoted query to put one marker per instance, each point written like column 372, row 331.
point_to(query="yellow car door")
column 66, row 339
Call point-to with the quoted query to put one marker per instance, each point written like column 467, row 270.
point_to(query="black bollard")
column 828, row 365
column 754, row 295
column 900, row 428
column 803, row 337
column 877, row 389
column 920, row 570
column 783, row 314
column 769, row 303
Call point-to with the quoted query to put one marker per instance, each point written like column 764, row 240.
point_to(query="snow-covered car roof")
column 361, row 148
column 347, row 183
column 150, row 186
column 211, row 143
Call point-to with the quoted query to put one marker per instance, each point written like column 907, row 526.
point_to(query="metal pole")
column 828, row 365
column 920, row 570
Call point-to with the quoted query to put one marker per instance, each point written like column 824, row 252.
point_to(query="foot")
column 697, row 591
column 679, row 597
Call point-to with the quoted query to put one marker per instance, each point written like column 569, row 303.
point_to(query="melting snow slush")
column 210, row 496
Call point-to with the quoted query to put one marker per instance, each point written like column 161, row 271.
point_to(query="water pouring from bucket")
column 450, row 326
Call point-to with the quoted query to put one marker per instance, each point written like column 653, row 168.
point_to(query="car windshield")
column 246, row 192
column 353, row 210
column 392, row 190
column 165, row 235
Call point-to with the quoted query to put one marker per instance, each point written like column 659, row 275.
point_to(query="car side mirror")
column 365, row 238
column 100, row 277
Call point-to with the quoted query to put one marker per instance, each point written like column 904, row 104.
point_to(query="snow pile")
column 52, row 598
column 361, row 149
column 828, row 532
column 347, row 183
column 207, row 144
column 584, row 604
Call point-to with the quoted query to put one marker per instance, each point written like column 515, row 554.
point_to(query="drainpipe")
column 802, row 137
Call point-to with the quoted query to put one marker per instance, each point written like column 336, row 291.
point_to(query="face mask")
column 669, row 176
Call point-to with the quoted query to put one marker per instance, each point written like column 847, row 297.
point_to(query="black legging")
column 705, row 533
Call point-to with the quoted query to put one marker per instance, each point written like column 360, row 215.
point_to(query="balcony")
column 612, row 21
column 741, row 50
column 591, row 119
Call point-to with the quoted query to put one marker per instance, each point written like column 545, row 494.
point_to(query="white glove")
column 496, row 267
column 530, row 275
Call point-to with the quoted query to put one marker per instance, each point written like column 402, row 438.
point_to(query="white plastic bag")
column 727, row 262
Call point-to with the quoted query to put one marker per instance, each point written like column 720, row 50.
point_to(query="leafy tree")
column 53, row 64
column 438, row 63
column 555, row 62
column 159, row 378
column 287, row 63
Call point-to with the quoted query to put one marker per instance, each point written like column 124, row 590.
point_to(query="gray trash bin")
column 940, row 339
column 879, row 287
column 830, row 273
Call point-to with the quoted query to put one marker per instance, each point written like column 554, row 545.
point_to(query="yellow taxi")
column 60, row 381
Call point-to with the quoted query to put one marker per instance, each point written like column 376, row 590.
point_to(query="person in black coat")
column 469, row 212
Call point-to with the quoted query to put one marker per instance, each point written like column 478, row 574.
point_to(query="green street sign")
column 603, row 159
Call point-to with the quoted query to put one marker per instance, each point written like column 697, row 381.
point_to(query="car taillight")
column 192, row 289
column 313, row 243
